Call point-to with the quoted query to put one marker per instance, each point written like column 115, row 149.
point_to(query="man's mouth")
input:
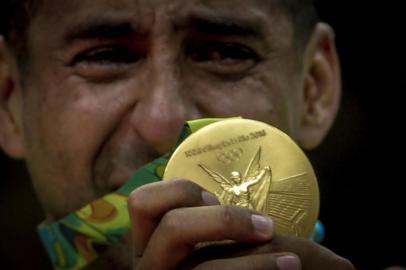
column 120, row 175
column 116, row 165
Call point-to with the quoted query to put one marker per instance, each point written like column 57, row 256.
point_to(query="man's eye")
column 105, row 63
column 224, row 59
column 224, row 53
column 112, row 55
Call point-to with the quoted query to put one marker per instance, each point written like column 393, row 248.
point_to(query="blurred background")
column 359, row 166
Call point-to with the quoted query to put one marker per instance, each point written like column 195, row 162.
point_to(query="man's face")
column 110, row 84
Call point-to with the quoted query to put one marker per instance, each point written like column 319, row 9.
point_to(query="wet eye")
column 224, row 52
column 106, row 63
column 224, row 58
column 113, row 55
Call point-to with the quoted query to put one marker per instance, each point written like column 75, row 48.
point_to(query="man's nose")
column 161, row 112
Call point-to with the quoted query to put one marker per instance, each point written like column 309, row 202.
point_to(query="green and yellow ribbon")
column 76, row 240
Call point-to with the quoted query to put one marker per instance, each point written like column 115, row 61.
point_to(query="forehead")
column 58, row 7
column 142, row 13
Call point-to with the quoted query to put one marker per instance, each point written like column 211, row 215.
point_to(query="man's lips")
column 113, row 169
column 112, row 180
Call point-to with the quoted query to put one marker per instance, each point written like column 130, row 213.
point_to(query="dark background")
column 360, row 165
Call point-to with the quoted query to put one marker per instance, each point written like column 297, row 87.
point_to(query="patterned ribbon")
column 76, row 240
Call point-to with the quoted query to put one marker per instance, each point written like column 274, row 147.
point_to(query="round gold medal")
column 252, row 164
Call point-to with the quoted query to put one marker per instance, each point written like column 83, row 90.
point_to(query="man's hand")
column 170, row 218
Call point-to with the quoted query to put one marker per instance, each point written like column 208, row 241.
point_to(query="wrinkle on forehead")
column 53, row 12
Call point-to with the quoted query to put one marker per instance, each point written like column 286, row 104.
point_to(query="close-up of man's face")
column 108, row 85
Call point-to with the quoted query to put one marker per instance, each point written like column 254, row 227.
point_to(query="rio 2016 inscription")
column 226, row 143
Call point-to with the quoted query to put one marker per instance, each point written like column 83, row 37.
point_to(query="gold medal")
column 254, row 165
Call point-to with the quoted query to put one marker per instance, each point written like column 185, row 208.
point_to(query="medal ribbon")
column 76, row 240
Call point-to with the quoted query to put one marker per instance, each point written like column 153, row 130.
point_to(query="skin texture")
column 95, row 104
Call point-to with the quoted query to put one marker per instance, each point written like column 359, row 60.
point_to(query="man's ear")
column 321, row 88
column 11, row 137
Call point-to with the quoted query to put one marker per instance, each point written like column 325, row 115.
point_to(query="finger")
column 180, row 229
column 312, row 255
column 149, row 203
column 282, row 261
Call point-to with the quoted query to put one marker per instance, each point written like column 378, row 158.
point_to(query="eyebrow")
column 225, row 27
column 94, row 29
column 115, row 28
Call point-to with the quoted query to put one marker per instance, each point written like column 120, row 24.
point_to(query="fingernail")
column 288, row 263
column 209, row 198
column 263, row 225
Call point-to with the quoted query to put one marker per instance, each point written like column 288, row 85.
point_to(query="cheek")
column 260, row 97
column 65, row 125
column 60, row 175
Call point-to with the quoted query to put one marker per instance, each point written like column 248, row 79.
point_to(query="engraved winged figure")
column 287, row 200
column 249, row 190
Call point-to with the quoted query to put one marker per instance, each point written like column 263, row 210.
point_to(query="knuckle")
column 227, row 214
column 138, row 201
column 188, row 188
column 182, row 183
column 172, row 223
